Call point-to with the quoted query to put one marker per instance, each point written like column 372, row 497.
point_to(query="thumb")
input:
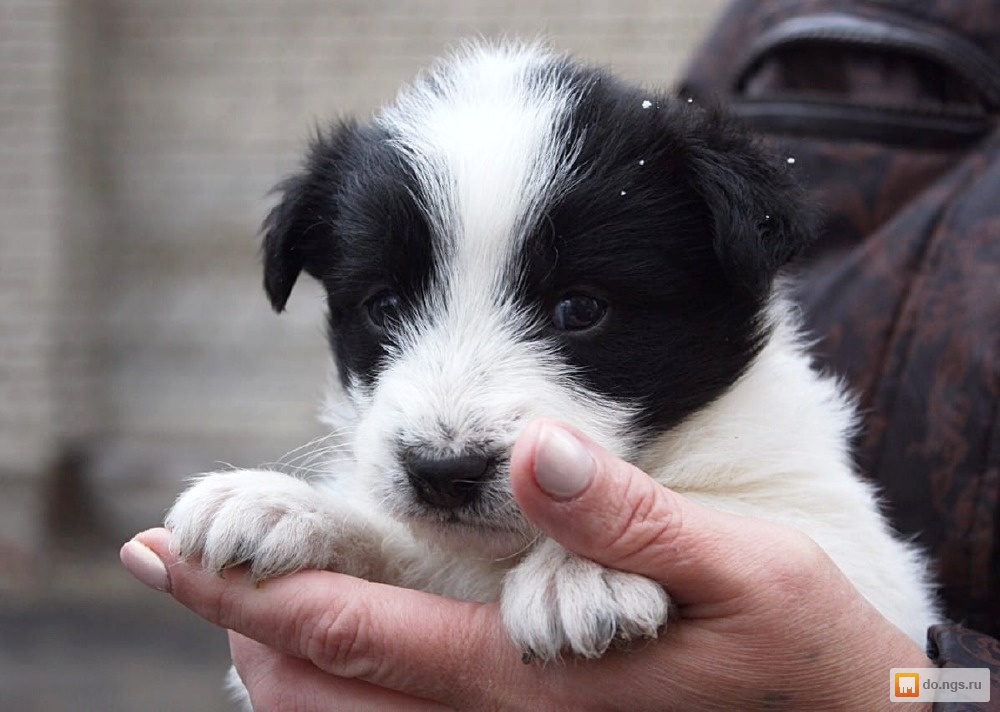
column 609, row 511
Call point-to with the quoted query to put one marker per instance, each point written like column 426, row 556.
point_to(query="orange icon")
column 907, row 684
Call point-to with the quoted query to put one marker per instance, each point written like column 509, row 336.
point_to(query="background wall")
column 138, row 140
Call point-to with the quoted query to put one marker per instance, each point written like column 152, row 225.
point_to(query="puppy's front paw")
column 273, row 522
column 555, row 601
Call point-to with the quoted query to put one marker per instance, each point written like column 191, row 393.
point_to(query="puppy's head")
column 519, row 236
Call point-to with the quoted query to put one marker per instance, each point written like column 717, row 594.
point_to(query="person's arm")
column 765, row 618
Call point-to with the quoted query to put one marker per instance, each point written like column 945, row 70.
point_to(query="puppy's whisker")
column 520, row 552
column 317, row 454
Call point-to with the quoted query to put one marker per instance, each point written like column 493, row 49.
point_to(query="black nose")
column 447, row 481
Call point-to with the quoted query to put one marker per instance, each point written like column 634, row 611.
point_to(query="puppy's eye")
column 576, row 312
column 384, row 309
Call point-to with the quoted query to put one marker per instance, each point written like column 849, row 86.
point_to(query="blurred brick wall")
column 138, row 141
column 30, row 80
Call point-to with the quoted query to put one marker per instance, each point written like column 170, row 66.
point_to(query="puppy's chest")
column 458, row 576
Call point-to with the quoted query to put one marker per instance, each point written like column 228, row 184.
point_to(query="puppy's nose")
column 447, row 481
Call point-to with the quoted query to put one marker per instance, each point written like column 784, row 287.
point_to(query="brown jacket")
column 889, row 112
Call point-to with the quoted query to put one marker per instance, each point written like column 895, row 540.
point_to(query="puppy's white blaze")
column 484, row 134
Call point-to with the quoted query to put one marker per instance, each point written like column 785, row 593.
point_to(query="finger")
column 431, row 647
column 607, row 510
column 278, row 681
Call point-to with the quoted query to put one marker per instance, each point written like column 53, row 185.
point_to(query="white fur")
column 775, row 448
column 772, row 447
column 483, row 137
column 736, row 455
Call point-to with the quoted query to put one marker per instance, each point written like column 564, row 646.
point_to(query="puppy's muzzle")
column 448, row 481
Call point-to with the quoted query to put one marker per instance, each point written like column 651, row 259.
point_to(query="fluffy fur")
column 520, row 236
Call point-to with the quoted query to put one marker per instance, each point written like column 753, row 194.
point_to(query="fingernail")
column 563, row 466
column 146, row 566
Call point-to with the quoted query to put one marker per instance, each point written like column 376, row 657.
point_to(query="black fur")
column 684, row 247
column 350, row 220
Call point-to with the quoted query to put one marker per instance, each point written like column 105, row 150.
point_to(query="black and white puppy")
column 520, row 236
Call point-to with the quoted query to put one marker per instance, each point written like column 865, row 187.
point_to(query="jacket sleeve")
column 951, row 645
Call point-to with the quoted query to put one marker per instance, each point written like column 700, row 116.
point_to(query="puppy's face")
column 517, row 237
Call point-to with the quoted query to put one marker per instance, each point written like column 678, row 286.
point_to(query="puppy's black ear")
column 298, row 232
column 761, row 217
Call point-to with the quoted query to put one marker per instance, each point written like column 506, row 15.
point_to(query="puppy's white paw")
column 273, row 522
column 237, row 691
column 555, row 601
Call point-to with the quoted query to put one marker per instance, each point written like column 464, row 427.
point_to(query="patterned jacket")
column 890, row 112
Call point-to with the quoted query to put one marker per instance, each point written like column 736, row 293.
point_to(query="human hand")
column 765, row 619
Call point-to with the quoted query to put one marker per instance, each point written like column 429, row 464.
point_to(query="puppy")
column 518, row 236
